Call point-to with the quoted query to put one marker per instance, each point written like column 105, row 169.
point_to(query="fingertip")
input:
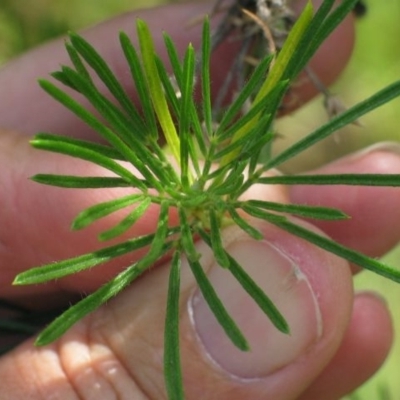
column 368, row 231
column 364, row 348
column 369, row 336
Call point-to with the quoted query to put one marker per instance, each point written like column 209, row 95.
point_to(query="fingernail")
column 290, row 291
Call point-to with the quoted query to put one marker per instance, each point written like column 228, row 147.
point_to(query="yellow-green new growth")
column 277, row 69
column 156, row 90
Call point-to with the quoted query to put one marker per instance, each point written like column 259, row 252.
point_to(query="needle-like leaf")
column 252, row 288
column 205, row 77
column 156, row 90
column 342, row 179
column 257, row 207
column 186, row 145
column 140, row 84
column 246, row 226
column 93, row 58
column 172, row 364
column 207, row 290
column 101, row 210
column 106, row 151
column 88, row 154
column 216, row 240
column 347, row 117
column 70, row 266
column 336, row 248
column 90, row 303
column 127, row 222
column 80, row 182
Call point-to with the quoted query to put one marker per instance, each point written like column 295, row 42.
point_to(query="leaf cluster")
column 218, row 161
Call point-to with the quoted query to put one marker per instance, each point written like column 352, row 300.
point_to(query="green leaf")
column 161, row 233
column 173, row 57
column 106, row 151
column 257, row 207
column 85, row 153
column 243, row 224
column 309, row 42
column 84, row 182
column 171, row 88
column 232, row 183
column 90, row 303
column 103, row 71
column 62, row 78
column 258, row 295
column 103, row 130
column 336, row 248
column 119, row 121
column 217, row 307
column 209, row 294
column 333, row 20
column 345, row 118
column 172, row 91
column 186, row 145
column 92, row 214
column 77, row 62
column 229, row 187
column 140, row 84
column 205, row 77
column 284, row 57
column 251, row 287
column 71, row 266
column 142, row 158
column 172, row 363
column 127, row 222
column 237, row 106
column 174, row 87
column 155, row 88
column 216, row 240
column 341, row 179
column 260, row 129
column 261, row 108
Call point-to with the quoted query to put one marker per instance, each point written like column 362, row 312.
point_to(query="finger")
column 363, row 350
column 116, row 354
column 372, row 209
column 27, row 109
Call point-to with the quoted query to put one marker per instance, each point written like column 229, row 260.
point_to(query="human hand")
column 117, row 351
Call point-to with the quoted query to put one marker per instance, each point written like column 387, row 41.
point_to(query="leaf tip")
column 284, row 328
column 76, row 225
column 42, row 340
column 18, row 280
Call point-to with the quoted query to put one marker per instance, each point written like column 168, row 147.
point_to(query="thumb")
column 118, row 350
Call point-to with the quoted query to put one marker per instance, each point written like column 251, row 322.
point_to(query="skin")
column 108, row 341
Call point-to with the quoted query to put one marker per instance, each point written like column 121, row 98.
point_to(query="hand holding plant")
column 309, row 290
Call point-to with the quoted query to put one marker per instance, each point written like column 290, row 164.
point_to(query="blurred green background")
column 376, row 63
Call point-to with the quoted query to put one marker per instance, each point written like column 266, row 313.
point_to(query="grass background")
column 375, row 63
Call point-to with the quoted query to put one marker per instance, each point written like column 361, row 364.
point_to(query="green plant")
column 218, row 161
